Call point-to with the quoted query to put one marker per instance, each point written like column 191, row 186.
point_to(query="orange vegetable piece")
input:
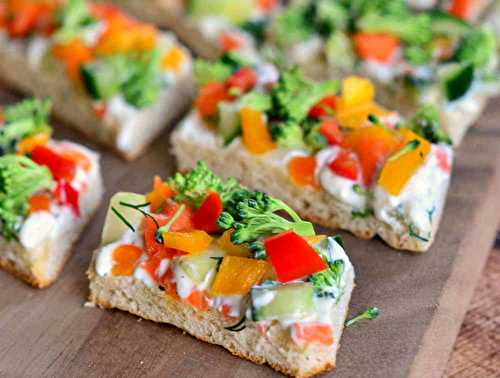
column 237, row 275
column 230, row 248
column 28, row 144
column 229, row 42
column 125, row 258
column 375, row 46
column 314, row 332
column 209, row 97
column 173, row 59
column 188, row 241
column 78, row 157
column 256, row 136
column 302, row 171
column 160, row 193
column 73, row 54
column 372, row 145
column 39, row 202
column 398, row 171
column 198, row 299
column 464, row 9
column 315, row 239
column 357, row 116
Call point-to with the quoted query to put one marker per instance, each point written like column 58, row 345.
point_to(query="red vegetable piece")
column 184, row 221
column 324, row 107
column 345, row 165
column 331, row 131
column 205, row 217
column 244, row 79
column 61, row 167
column 68, row 196
column 292, row 257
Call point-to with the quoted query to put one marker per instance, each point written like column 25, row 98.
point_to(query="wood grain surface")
column 422, row 298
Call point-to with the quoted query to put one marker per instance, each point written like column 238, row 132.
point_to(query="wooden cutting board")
column 422, row 298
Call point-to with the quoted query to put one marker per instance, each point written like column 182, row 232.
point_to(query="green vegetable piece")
column 445, row 24
column 292, row 25
column 291, row 301
column 199, row 266
column 369, row 314
column 408, row 147
column 458, row 81
column 20, row 177
column 257, row 101
column 330, row 16
column 101, row 78
column 339, row 51
column 288, row 134
column 426, row 123
column 205, row 71
column 478, row 48
column 229, row 121
column 73, row 17
column 236, row 12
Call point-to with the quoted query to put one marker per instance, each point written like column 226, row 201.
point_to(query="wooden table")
column 422, row 298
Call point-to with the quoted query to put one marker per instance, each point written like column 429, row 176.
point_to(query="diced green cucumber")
column 100, row 79
column 229, row 121
column 236, row 12
column 114, row 227
column 457, row 81
column 339, row 51
column 445, row 24
column 199, row 266
column 291, row 301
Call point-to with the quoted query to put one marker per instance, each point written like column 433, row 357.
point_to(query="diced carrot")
column 302, row 171
column 256, row 136
column 73, row 54
column 312, row 333
column 160, row 193
column 39, row 202
column 173, row 59
column 3, row 15
column 125, row 258
column 376, row 46
column 464, row 9
column 198, row 299
column 26, row 145
column 209, row 97
column 27, row 16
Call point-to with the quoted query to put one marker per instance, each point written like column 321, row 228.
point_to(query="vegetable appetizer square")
column 116, row 79
column 340, row 160
column 222, row 263
column 432, row 55
column 48, row 192
column 210, row 27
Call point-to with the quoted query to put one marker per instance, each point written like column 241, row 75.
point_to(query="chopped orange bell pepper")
column 188, row 241
column 315, row 332
column 28, row 144
column 355, row 91
column 73, row 54
column 357, row 116
column 125, row 258
column 256, row 136
column 237, row 275
column 173, row 59
column 39, row 202
column 160, row 193
column 375, row 46
column 209, row 97
column 403, row 164
column 230, row 248
column 198, row 299
column 372, row 145
column 464, row 9
column 302, row 171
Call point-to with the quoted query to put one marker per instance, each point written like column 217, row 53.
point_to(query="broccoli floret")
column 389, row 7
column 253, row 216
column 292, row 25
column 477, row 47
column 330, row 16
column 412, row 29
column 418, row 55
column 143, row 86
column 74, row 16
column 287, row 134
column 206, row 71
column 20, row 177
column 294, row 95
column 425, row 122
column 369, row 314
column 27, row 118
column 327, row 283
column 193, row 187
column 257, row 29
column 257, row 101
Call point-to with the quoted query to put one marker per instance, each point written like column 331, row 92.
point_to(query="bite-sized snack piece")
column 339, row 160
column 223, row 263
column 48, row 192
column 212, row 27
column 116, row 79
column 414, row 57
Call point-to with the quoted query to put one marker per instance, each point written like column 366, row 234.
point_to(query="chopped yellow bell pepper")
column 315, row 239
column 356, row 116
column 173, row 59
column 256, row 136
column 188, row 241
column 403, row 164
column 356, row 91
column 237, row 275
column 230, row 248
column 28, row 144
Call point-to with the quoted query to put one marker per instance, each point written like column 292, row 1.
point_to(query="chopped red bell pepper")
column 68, row 196
column 184, row 221
column 330, row 129
column 345, row 165
column 229, row 42
column 443, row 160
column 209, row 97
column 61, row 167
column 29, row 17
column 464, row 9
column 244, row 79
column 324, row 107
column 292, row 257
column 205, row 217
